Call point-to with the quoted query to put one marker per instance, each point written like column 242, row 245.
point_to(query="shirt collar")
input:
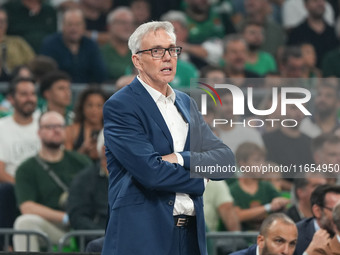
column 316, row 225
column 338, row 237
column 155, row 94
column 257, row 250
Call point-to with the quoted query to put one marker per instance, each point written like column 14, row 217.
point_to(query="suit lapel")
column 146, row 101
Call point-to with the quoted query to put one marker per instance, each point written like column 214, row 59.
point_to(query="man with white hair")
column 116, row 53
column 155, row 207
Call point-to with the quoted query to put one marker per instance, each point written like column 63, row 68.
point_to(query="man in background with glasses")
column 42, row 183
column 323, row 200
column 155, row 207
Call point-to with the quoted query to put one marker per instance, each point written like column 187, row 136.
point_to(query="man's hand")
column 320, row 240
column 172, row 158
column 279, row 203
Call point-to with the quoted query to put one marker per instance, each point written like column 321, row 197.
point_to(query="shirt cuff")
column 180, row 159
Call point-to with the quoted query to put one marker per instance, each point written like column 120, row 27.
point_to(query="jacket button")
column 170, row 202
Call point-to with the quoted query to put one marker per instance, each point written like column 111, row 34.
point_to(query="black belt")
column 184, row 220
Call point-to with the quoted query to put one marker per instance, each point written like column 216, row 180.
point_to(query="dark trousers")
column 184, row 241
column 8, row 207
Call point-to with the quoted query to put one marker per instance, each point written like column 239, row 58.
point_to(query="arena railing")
column 7, row 233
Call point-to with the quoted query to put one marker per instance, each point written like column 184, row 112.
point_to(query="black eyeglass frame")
column 165, row 50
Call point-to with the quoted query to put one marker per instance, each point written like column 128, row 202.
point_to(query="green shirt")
column 265, row 63
column 185, row 71
column 331, row 64
column 33, row 183
column 265, row 194
column 33, row 28
column 68, row 115
column 116, row 64
column 216, row 25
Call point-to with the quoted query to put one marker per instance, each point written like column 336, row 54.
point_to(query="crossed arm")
column 126, row 138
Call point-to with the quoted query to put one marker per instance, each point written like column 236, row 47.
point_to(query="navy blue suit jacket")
column 249, row 251
column 142, row 187
column 306, row 232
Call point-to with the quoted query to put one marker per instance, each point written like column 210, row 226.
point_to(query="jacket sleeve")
column 206, row 149
column 127, row 140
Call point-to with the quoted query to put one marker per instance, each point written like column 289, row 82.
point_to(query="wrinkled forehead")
column 282, row 229
column 157, row 38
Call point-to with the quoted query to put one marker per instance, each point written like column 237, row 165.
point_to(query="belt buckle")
column 181, row 222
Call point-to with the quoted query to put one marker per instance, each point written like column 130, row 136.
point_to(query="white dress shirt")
column 179, row 130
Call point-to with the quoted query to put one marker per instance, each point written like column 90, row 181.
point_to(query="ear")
column 300, row 193
column 316, row 210
column 260, row 241
column 136, row 61
column 46, row 94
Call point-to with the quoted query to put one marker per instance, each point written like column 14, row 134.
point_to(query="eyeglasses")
column 53, row 126
column 160, row 52
column 328, row 208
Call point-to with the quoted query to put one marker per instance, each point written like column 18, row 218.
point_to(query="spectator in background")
column 82, row 135
column 294, row 12
column 287, row 145
column 258, row 61
column 218, row 204
column 254, row 198
column 75, row 54
column 314, row 30
column 95, row 13
column 88, row 200
column 321, row 243
column 209, row 51
column 185, row 69
column 331, row 62
column 19, row 140
column 14, row 50
column 41, row 65
column 278, row 235
column 309, row 56
column 213, row 73
column 141, row 11
column 31, row 19
column 303, row 188
column 291, row 62
column 324, row 118
column 235, row 57
column 123, row 81
column 326, row 154
column 116, row 53
column 323, row 200
column 205, row 23
column 55, row 88
column 63, row 5
column 257, row 11
column 20, row 71
column 18, row 132
column 234, row 134
column 42, row 182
